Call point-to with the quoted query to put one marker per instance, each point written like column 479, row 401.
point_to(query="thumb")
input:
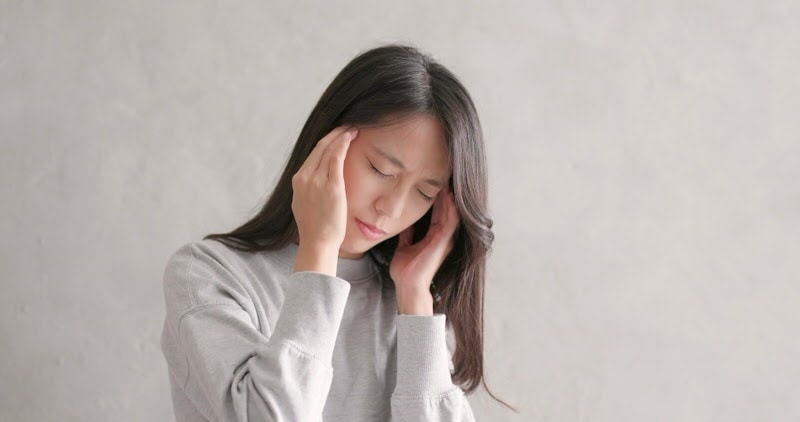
column 406, row 236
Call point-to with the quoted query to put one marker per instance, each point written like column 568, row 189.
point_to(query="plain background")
column 645, row 185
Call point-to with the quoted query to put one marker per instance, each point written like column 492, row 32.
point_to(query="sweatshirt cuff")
column 312, row 311
column 422, row 359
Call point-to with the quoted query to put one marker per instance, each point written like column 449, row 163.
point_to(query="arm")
column 424, row 390
column 230, row 371
column 210, row 338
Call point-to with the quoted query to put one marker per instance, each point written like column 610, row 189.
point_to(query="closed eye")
column 379, row 173
column 426, row 197
column 382, row 175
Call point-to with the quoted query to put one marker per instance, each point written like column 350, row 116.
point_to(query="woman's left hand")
column 414, row 265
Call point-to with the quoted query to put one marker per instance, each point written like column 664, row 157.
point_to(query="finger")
column 452, row 213
column 405, row 237
column 312, row 161
column 448, row 218
column 438, row 207
column 322, row 148
column 330, row 154
column 338, row 154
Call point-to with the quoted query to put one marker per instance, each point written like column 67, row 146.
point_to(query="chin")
column 348, row 249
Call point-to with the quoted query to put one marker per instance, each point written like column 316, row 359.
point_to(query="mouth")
column 370, row 231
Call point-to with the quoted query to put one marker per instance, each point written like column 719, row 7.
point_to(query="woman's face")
column 392, row 175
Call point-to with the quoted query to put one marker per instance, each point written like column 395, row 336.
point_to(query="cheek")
column 414, row 211
column 421, row 213
column 354, row 191
column 357, row 185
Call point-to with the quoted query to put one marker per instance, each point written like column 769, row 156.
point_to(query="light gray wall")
column 645, row 184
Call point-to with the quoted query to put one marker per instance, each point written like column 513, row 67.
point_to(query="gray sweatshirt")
column 248, row 339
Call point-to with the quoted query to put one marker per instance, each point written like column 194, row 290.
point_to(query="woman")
column 334, row 301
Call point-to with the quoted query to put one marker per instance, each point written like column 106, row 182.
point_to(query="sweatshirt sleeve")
column 424, row 389
column 238, row 373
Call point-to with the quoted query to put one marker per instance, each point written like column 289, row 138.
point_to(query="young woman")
column 334, row 302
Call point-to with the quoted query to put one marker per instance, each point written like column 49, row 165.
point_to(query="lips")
column 369, row 230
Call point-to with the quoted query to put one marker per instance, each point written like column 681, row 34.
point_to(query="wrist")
column 414, row 302
column 316, row 257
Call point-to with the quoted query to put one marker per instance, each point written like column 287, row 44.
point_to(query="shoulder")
column 208, row 272
column 202, row 258
column 209, row 257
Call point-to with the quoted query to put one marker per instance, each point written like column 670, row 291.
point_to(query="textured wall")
column 645, row 183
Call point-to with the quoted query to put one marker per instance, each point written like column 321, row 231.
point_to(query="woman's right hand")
column 319, row 203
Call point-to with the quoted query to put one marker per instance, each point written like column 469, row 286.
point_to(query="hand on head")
column 414, row 264
column 319, row 203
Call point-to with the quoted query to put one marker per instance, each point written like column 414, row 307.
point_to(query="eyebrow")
column 394, row 160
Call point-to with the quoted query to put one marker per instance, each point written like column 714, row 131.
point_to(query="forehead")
column 416, row 141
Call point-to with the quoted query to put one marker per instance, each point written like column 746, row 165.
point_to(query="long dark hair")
column 394, row 82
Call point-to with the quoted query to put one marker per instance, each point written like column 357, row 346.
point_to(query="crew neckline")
column 352, row 270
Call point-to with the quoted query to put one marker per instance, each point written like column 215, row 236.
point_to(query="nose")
column 390, row 203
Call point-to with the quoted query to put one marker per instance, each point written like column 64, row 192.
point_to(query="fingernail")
column 352, row 131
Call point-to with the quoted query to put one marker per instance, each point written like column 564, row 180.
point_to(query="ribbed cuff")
column 312, row 312
column 422, row 359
